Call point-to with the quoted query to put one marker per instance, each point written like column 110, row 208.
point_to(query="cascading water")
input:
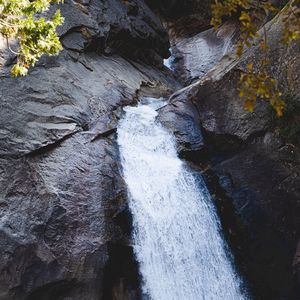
column 177, row 239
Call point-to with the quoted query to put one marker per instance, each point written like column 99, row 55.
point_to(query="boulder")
column 180, row 117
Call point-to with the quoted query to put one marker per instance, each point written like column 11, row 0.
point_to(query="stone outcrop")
column 193, row 57
column 63, row 202
column 184, row 18
column 113, row 26
column 252, row 165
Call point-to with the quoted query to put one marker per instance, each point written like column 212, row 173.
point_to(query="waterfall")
column 176, row 234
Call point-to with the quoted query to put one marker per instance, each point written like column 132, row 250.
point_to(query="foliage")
column 23, row 20
column 253, row 85
column 251, row 14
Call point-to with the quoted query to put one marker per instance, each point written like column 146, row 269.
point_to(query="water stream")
column 177, row 240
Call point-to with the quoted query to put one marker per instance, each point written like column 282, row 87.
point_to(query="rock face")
column 110, row 26
column 62, row 197
column 184, row 18
column 252, row 164
column 193, row 57
column 64, row 220
column 180, row 118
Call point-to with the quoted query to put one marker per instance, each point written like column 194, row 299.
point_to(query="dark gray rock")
column 221, row 110
column 255, row 167
column 184, row 17
column 127, row 27
column 262, row 183
column 180, row 116
column 60, row 183
column 216, row 94
column 63, row 201
column 193, row 57
column 54, row 228
column 53, row 103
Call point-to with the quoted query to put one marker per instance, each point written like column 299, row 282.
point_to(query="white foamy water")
column 169, row 61
column 177, row 240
